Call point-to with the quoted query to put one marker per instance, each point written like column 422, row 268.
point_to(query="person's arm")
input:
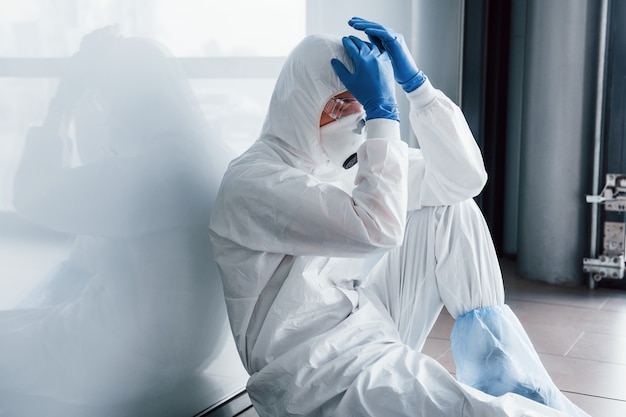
column 266, row 205
column 449, row 167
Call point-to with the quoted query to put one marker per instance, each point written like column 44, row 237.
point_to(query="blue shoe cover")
column 493, row 353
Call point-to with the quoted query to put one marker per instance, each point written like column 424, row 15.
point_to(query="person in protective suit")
column 338, row 246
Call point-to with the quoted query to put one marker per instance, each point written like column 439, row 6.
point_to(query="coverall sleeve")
column 448, row 168
column 114, row 197
column 267, row 205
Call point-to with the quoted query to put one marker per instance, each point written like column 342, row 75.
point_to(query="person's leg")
column 448, row 258
column 362, row 368
column 369, row 364
column 467, row 268
column 491, row 349
column 404, row 280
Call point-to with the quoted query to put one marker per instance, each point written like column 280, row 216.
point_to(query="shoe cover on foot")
column 493, row 353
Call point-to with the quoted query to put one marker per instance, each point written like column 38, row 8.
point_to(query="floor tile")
column 597, row 406
column 552, row 339
column 598, row 321
column 587, row 377
column 600, row 347
column 435, row 348
column 616, row 301
column 447, row 360
column 443, row 326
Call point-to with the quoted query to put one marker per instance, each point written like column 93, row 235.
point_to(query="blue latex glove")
column 405, row 71
column 372, row 82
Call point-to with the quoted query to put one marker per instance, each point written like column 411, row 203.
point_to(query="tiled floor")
column 580, row 336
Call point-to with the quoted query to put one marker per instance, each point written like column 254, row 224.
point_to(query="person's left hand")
column 372, row 82
column 405, row 70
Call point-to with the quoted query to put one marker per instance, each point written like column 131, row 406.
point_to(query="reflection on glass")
column 125, row 164
column 235, row 108
column 192, row 28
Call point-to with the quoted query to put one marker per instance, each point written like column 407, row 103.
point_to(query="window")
column 232, row 51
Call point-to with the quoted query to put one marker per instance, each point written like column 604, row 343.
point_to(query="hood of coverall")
column 305, row 84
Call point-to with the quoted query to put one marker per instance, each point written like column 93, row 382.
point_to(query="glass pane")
column 23, row 104
column 109, row 304
column 235, row 109
column 42, row 28
column 109, row 296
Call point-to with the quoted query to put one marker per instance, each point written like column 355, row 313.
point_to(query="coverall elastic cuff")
column 383, row 129
column 422, row 96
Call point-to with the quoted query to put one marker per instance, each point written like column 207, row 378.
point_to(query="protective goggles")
column 337, row 108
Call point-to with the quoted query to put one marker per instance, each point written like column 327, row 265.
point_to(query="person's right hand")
column 372, row 82
column 405, row 70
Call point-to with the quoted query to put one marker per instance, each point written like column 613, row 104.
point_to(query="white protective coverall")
column 320, row 328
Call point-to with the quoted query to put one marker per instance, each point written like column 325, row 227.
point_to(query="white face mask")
column 341, row 139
